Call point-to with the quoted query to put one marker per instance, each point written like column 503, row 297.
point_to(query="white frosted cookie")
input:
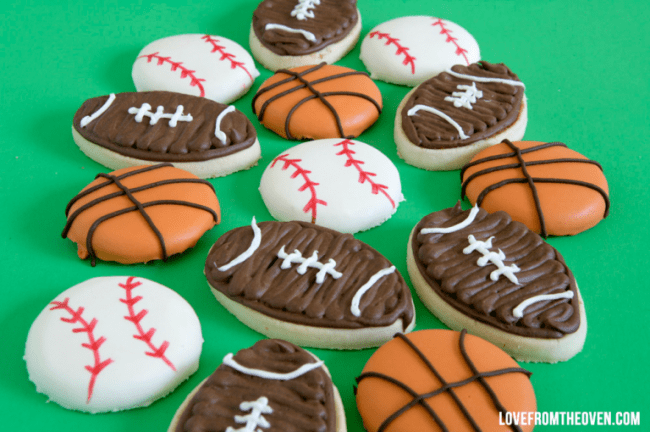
column 411, row 49
column 201, row 65
column 342, row 184
column 113, row 343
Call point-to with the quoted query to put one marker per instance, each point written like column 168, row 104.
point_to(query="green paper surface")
column 585, row 67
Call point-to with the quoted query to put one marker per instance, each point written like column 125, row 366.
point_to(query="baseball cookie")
column 292, row 33
column 309, row 285
column 273, row 386
column 442, row 380
column 446, row 120
column 411, row 49
column 113, row 343
column 344, row 184
column 322, row 101
column 550, row 188
column 141, row 214
column 196, row 134
column 201, row 65
column 494, row 277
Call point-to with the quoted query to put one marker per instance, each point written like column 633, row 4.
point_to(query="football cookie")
column 201, row 65
column 140, row 214
column 547, row 186
column 272, row 386
column 345, row 185
column 196, row 134
column 446, row 120
column 309, row 285
column 411, row 49
column 314, row 102
column 494, row 277
column 292, row 33
column 113, row 343
column 442, row 380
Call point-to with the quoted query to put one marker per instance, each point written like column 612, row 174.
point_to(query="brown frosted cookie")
column 547, row 186
column 141, row 214
column 442, row 380
column 446, row 120
column 292, row 33
column 310, row 285
column 315, row 102
column 499, row 280
column 206, row 138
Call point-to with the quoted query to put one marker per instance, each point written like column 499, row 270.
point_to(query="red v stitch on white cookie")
column 226, row 55
column 408, row 59
column 445, row 31
column 195, row 82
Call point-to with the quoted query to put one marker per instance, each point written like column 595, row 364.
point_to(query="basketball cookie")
column 309, row 285
column 140, row 214
column 552, row 189
column 494, row 277
column 196, row 134
column 201, row 65
column 321, row 101
column 442, row 380
column 344, row 184
column 446, row 120
column 292, row 33
column 273, row 386
column 412, row 49
column 113, row 343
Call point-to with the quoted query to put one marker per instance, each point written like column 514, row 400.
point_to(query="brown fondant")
column 322, row 101
column 441, row 380
column 140, row 214
column 547, row 186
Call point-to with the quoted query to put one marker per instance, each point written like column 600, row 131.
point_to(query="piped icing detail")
column 518, row 312
column 465, row 98
column 312, row 261
column 185, row 72
column 495, row 258
column 303, row 10
column 255, row 243
column 145, row 110
column 409, row 60
column 307, row 35
column 459, row 226
column 89, row 118
column 486, row 79
column 437, row 112
column 460, row 51
column 354, row 308
column 228, row 360
column 221, row 135
column 254, row 419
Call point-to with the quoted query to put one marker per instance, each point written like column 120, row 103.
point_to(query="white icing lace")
column 145, row 110
column 254, row 419
column 495, row 258
column 465, row 98
column 312, row 261
column 302, row 10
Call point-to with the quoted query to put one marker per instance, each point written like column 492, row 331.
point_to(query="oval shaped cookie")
column 309, row 285
column 547, row 186
column 198, row 135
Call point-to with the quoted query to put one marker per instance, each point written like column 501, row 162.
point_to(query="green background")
column 584, row 64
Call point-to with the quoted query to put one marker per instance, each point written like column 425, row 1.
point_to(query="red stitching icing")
column 408, row 59
column 93, row 344
column 136, row 318
column 445, row 31
column 177, row 65
column 363, row 175
column 226, row 56
column 314, row 201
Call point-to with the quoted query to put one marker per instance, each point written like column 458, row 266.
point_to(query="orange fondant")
column 568, row 209
column 128, row 238
column 377, row 399
column 313, row 119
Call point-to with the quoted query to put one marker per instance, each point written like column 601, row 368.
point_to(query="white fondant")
column 87, row 119
column 57, row 358
column 495, row 258
column 228, row 360
column 518, row 312
column 255, row 243
column 305, row 263
column 221, row 136
column 486, row 79
column 254, row 419
column 307, row 35
column 373, row 279
column 145, row 111
column 302, row 10
column 439, row 113
column 465, row 98
column 459, row 226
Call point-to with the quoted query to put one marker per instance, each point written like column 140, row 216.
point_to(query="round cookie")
column 435, row 380
column 272, row 386
column 494, row 277
column 318, row 101
column 309, row 285
column 206, row 138
column 292, row 33
column 201, row 65
column 113, row 343
column 345, row 185
column 140, row 214
column 547, row 186
column 411, row 49
column 446, row 120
